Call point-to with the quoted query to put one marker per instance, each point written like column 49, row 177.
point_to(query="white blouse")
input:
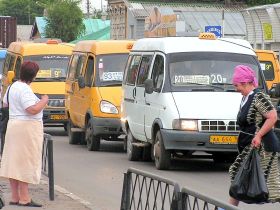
column 21, row 97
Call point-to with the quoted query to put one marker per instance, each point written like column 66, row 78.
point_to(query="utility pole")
column 88, row 8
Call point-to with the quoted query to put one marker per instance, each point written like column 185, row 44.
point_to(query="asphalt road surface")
column 97, row 177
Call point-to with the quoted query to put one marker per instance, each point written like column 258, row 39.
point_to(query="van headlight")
column 56, row 103
column 107, row 107
column 188, row 125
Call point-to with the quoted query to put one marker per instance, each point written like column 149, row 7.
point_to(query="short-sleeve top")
column 251, row 116
column 21, row 97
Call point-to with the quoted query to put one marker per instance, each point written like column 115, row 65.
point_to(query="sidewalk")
column 40, row 193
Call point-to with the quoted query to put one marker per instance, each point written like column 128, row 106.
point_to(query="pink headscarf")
column 244, row 74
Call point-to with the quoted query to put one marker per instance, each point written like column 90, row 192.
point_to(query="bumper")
column 182, row 140
column 107, row 126
column 54, row 116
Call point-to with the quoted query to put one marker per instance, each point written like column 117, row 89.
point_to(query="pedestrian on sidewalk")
column 256, row 118
column 22, row 154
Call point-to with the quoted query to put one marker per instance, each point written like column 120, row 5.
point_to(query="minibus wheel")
column 92, row 141
column 74, row 137
column 133, row 152
column 162, row 157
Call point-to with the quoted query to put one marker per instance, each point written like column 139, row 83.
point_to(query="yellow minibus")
column 93, row 90
column 52, row 58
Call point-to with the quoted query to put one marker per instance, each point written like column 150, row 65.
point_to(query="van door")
column 130, row 92
column 154, row 101
column 85, row 97
column 140, row 103
column 72, row 88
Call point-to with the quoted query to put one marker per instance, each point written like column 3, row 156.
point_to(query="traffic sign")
column 217, row 30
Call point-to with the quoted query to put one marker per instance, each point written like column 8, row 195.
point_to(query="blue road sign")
column 217, row 30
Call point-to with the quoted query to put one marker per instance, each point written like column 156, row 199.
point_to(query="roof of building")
column 196, row 16
column 96, row 28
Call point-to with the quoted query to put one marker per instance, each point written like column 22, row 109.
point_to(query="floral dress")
column 250, row 119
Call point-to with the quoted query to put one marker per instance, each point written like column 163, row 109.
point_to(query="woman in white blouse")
column 21, row 159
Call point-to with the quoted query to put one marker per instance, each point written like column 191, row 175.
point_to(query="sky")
column 93, row 4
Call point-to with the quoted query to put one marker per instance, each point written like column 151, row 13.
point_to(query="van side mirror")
column 10, row 76
column 274, row 92
column 81, row 82
column 149, row 88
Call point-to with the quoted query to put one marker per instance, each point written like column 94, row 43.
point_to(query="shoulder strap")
column 8, row 93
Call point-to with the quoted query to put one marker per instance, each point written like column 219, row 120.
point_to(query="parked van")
column 270, row 66
column 52, row 58
column 93, row 89
column 178, row 97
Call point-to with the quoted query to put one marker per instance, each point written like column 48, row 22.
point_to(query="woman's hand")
column 256, row 142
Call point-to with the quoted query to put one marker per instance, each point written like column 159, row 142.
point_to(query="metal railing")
column 47, row 163
column 145, row 191
column 142, row 190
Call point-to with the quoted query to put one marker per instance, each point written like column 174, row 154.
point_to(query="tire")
column 74, row 137
column 125, row 144
column 162, row 156
column 92, row 141
column 133, row 152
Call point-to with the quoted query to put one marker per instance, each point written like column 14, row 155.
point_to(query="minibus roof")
column 31, row 48
column 193, row 44
column 104, row 46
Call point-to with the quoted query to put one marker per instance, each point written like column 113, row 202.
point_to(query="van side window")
column 9, row 63
column 17, row 67
column 89, row 71
column 133, row 70
column 76, row 66
column 268, row 70
column 144, row 69
column 158, row 71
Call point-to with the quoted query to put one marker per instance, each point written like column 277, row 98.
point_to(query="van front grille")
column 218, row 126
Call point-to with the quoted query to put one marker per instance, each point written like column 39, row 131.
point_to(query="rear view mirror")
column 10, row 76
column 149, row 88
column 274, row 92
column 81, row 82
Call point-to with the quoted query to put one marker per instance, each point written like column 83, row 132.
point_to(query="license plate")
column 58, row 117
column 223, row 139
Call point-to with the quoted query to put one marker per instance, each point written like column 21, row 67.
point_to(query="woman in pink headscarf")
column 256, row 118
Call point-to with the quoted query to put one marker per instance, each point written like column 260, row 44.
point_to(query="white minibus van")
column 178, row 97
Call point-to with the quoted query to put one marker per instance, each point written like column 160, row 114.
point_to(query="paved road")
column 97, row 176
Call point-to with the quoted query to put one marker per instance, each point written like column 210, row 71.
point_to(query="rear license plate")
column 58, row 117
column 223, row 139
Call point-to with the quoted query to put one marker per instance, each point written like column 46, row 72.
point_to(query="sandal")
column 30, row 204
column 13, row 203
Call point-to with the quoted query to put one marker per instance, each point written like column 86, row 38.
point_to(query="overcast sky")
column 93, row 4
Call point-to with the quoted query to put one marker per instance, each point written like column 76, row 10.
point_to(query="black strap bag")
column 4, row 119
column 249, row 184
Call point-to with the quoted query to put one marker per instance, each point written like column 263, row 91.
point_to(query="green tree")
column 24, row 10
column 64, row 20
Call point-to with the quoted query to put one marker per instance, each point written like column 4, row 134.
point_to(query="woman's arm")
column 271, row 118
column 38, row 107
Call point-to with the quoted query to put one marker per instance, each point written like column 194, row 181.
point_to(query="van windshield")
column 200, row 69
column 52, row 67
column 110, row 68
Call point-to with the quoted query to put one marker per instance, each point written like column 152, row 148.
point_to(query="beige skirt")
column 22, row 154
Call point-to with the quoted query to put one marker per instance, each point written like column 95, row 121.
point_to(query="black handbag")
column 249, row 184
column 2, row 201
column 4, row 117
column 271, row 142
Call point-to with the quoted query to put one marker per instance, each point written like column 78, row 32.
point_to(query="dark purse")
column 271, row 142
column 4, row 118
column 249, row 184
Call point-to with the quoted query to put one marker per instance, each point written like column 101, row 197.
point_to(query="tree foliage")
column 64, row 20
column 24, row 10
